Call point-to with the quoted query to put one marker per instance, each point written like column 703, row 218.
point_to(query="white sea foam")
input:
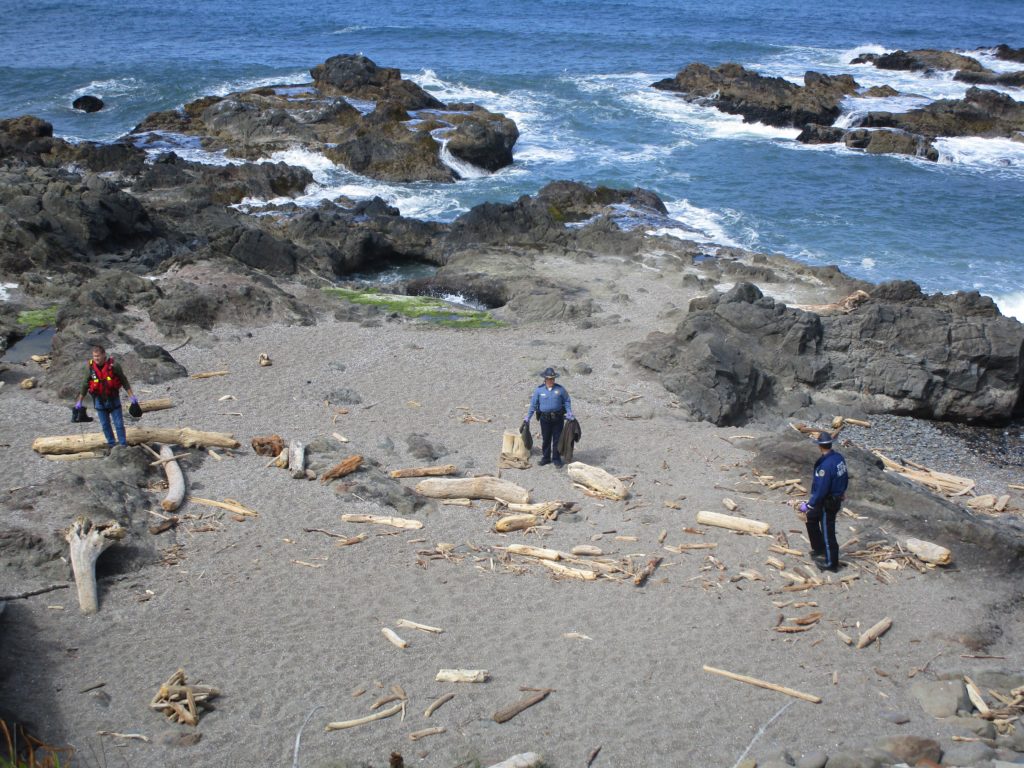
column 702, row 121
column 119, row 86
column 1011, row 304
column 448, row 91
column 867, row 263
column 461, row 167
column 526, row 152
column 5, row 290
column 699, row 224
column 316, row 162
column 236, row 86
column 348, row 30
column 984, row 154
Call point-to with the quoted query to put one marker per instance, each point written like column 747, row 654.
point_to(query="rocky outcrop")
column 769, row 100
column 1005, row 79
column 399, row 140
column 922, row 60
column 900, row 506
column 884, row 141
column 741, row 354
column 88, row 103
column 1006, row 53
column 980, row 112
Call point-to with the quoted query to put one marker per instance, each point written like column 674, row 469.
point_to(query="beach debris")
column 457, row 503
column 88, row 541
column 515, row 454
column 507, row 713
column 841, row 421
column 346, row 466
column 516, row 523
column 393, row 638
column 229, row 504
column 729, row 504
column 844, row 637
column 764, row 684
column 130, row 736
column 264, row 360
column 595, row 481
column 181, row 702
column 522, row 760
column 546, row 509
column 159, row 404
column 592, row 757
column 843, row 306
column 645, row 573
column 940, row 482
column 417, row 735
column 175, row 480
column 571, row 573
column 268, row 445
column 989, row 503
column 421, row 627
column 281, row 460
column 384, row 713
column 731, row 522
column 345, row 541
column 435, row 471
column 538, row 552
column 164, row 525
column 394, row 522
column 576, row 636
column 31, row 593
column 297, row 459
column 339, row 437
column 92, row 441
column 928, row 552
column 974, row 694
column 587, row 550
column 208, row 374
column 29, row 383
column 461, row 676
column 73, row 456
column 680, row 548
column 438, row 703
column 875, row 632
column 484, row 487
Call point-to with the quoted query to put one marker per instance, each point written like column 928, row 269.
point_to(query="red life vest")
column 103, row 382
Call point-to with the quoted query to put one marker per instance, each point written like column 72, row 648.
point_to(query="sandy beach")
column 287, row 624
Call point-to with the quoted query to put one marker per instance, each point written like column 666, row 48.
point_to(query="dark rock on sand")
column 771, row 100
column 421, row 447
column 901, row 507
column 922, row 60
column 911, row 749
column 88, row 103
column 738, row 354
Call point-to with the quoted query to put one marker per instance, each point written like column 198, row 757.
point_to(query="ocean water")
column 576, row 78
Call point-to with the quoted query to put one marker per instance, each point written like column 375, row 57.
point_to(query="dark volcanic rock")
column 981, row 112
column 741, row 353
column 899, row 505
column 88, row 103
column 883, row 141
column 1006, row 79
column 921, row 60
column 481, row 137
column 770, row 100
column 820, row 134
column 359, row 77
column 1006, row 53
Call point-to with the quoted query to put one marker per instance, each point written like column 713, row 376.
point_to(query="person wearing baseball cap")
column 827, row 490
column 551, row 403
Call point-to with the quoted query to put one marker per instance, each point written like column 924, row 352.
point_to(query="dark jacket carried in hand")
column 524, row 431
column 570, row 436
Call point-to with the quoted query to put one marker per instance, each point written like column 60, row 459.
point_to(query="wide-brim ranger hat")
column 549, row 373
column 824, row 438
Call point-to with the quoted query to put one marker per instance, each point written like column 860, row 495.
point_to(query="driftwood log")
column 461, row 676
column 175, row 480
column 524, row 760
column 507, row 713
column 874, row 633
column 297, row 459
column 344, row 467
column 485, row 487
column 160, row 404
column 928, row 552
column 185, row 436
column 763, row 684
column 741, row 524
column 394, row 522
column 88, row 542
column 438, row 471
column 516, row 523
column 600, row 482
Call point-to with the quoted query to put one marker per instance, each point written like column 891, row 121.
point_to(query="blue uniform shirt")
column 830, row 478
column 547, row 400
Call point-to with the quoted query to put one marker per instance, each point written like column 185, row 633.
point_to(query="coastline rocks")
column 399, row 139
column 88, row 103
column 980, row 112
column 941, row 698
column 770, row 100
column 740, row 354
column 921, row 60
column 883, row 141
column 1006, row 53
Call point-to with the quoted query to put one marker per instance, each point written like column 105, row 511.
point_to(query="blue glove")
column 135, row 399
column 570, row 417
column 803, row 507
column 78, row 403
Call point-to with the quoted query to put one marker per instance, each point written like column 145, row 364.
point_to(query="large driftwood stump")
column 175, row 480
column 597, row 480
column 297, row 459
column 88, row 542
column 473, row 488
column 184, row 436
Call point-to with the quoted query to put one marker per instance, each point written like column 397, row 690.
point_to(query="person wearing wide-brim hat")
column 551, row 403
column 827, row 490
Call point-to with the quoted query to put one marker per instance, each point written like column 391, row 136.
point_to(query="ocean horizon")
column 577, row 79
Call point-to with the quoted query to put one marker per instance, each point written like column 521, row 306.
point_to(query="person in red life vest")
column 104, row 380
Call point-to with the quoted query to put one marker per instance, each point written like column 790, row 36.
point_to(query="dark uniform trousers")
column 821, row 530
column 551, row 424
